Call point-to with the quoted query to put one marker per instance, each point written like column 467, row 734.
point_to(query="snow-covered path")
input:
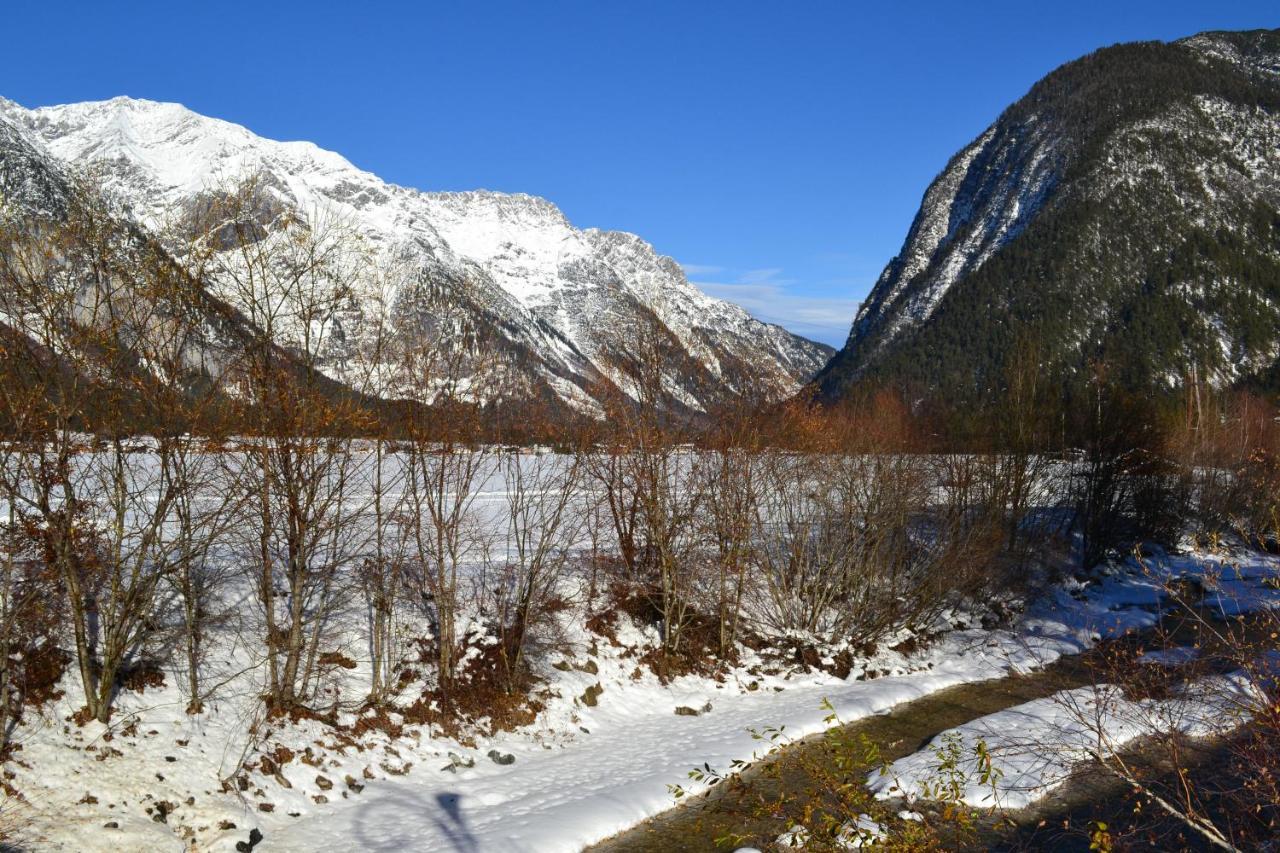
column 565, row 799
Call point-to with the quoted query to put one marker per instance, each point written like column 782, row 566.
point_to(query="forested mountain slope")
column 1124, row 212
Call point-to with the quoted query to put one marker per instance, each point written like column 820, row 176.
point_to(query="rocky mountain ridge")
column 567, row 302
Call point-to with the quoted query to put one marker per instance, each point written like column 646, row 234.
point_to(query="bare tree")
column 1126, row 487
column 24, row 590
column 730, row 477
column 384, row 573
column 450, row 372
column 206, row 505
column 617, row 503
column 383, row 569
column 100, row 312
column 543, row 522
column 292, row 279
column 652, row 489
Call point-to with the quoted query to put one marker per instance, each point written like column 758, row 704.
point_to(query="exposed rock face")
column 566, row 303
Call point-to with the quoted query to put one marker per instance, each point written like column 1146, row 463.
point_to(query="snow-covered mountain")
column 568, row 302
column 1126, row 211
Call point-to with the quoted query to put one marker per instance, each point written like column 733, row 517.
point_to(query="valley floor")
column 585, row 770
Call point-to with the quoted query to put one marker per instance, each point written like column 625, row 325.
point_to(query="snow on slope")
column 567, row 799
column 1038, row 156
column 570, row 297
column 618, row 775
column 1038, row 745
column 985, row 197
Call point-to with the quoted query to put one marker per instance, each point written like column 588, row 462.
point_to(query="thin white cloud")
column 768, row 297
column 768, row 275
column 701, row 269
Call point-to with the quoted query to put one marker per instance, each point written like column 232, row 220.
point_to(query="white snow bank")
column 1035, row 747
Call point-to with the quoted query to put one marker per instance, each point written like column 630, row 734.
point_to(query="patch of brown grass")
column 140, row 675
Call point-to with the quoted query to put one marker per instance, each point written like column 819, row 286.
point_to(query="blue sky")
column 777, row 150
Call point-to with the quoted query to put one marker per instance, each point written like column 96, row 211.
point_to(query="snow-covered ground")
column 580, row 773
column 594, row 762
column 581, row 792
column 565, row 799
column 1037, row 746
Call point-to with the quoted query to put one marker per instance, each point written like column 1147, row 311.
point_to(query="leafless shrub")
column 543, row 522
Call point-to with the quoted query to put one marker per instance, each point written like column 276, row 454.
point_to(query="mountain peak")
column 164, row 151
column 568, row 301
